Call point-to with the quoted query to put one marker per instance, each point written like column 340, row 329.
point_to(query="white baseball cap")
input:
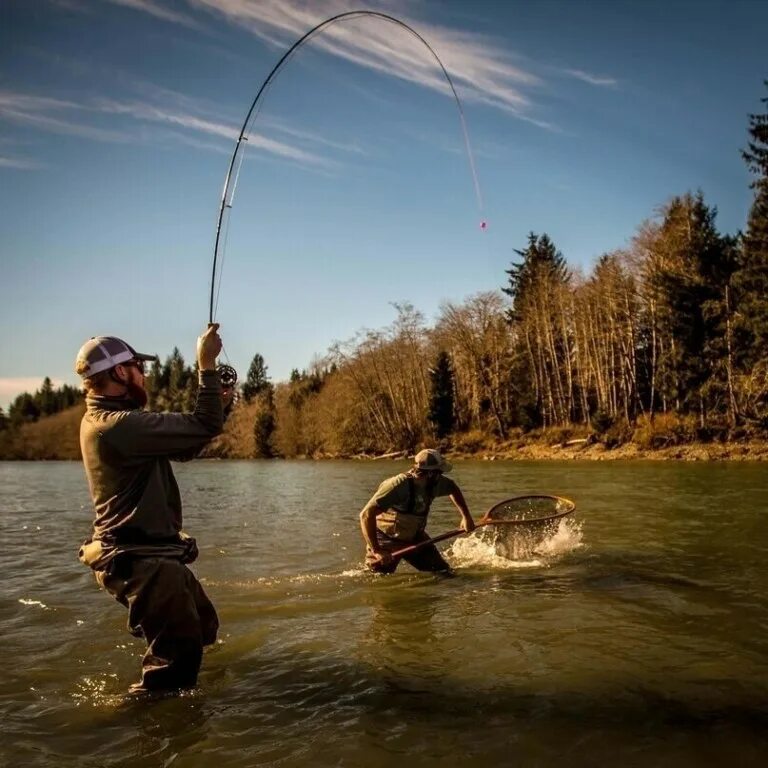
column 100, row 353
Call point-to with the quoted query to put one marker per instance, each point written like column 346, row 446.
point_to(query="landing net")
column 525, row 531
column 528, row 510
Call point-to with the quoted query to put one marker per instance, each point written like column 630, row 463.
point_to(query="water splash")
column 502, row 548
column 357, row 572
column 39, row 603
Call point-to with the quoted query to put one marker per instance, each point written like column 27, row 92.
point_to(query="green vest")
column 406, row 505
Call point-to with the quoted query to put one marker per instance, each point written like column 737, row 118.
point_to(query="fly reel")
column 227, row 375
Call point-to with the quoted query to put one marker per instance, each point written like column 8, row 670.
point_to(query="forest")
column 662, row 342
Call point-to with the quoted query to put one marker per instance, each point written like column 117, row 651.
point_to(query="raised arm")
column 180, row 435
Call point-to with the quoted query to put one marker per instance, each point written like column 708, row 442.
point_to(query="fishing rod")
column 233, row 172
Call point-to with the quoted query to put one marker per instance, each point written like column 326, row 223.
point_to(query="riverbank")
column 748, row 451
column 57, row 438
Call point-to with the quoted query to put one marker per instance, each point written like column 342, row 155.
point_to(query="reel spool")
column 227, row 374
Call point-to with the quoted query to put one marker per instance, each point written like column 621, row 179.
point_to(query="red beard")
column 137, row 394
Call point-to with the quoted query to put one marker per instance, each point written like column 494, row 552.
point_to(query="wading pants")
column 169, row 609
column 428, row 558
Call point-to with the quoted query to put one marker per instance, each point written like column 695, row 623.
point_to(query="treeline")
column 44, row 405
column 27, row 408
column 171, row 386
column 663, row 342
column 666, row 339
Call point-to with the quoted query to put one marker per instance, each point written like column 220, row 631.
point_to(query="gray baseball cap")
column 430, row 459
column 100, row 353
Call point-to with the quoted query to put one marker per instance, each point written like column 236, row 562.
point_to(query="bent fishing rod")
column 233, row 172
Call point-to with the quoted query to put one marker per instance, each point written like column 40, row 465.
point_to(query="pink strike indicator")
column 483, row 225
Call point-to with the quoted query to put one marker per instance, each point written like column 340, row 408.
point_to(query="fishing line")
column 230, row 181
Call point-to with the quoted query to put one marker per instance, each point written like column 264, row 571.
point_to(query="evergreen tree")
column 171, row 386
column 441, row 398
column 23, row 410
column 3, row 421
column 45, row 398
column 153, row 384
column 264, row 426
column 751, row 281
column 540, row 261
column 539, row 287
column 689, row 275
column 177, row 381
column 189, row 396
column 257, row 380
column 263, row 429
column 67, row 396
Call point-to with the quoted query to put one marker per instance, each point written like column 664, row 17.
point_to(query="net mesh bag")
column 520, row 525
column 529, row 510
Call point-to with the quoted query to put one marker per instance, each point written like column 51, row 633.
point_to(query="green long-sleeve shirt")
column 127, row 455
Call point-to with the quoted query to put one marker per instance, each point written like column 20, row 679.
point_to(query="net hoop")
column 563, row 506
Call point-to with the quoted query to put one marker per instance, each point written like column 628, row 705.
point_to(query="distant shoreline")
column 752, row 451
column 748, row 451
column 57, row 438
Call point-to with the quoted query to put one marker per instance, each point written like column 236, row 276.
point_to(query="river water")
column 636, row 634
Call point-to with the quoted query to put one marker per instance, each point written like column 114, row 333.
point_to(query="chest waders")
column 406, row 524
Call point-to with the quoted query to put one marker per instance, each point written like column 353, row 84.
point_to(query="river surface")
column 636, row 634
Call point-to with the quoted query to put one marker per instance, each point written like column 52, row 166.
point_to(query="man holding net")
column 396, row 515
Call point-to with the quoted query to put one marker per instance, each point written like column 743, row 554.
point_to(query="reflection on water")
column 634, row 631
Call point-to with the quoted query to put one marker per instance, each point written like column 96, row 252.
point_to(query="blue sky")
column 118, row 117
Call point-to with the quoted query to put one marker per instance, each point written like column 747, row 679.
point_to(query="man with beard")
column 396, row 515
column 138, row 550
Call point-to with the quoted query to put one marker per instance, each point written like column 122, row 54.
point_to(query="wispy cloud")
column 586, row 77
column 68, row 117
column 311, row 137
column 481, row 69
column 158, row 11
column 45, row 114
column 19, row 163
column 151, row 113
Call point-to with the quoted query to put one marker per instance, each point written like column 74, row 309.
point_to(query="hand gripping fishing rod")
column 230, row 181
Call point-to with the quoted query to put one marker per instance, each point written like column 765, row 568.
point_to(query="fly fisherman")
column 137, row 549
column 396, row 515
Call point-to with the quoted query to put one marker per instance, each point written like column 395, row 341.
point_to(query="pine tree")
column 23, row 410
column 539, row 288
column 751, row 281
column 177, row 381
column 257, row 380
column 189, row 396
column 540, row 261
column 153, row 384
column 688, row 276
column 264, row 426
column 441, row 397
column 45, row 398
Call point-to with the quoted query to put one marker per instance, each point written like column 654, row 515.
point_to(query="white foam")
column 26, row 601
column 500, row 548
